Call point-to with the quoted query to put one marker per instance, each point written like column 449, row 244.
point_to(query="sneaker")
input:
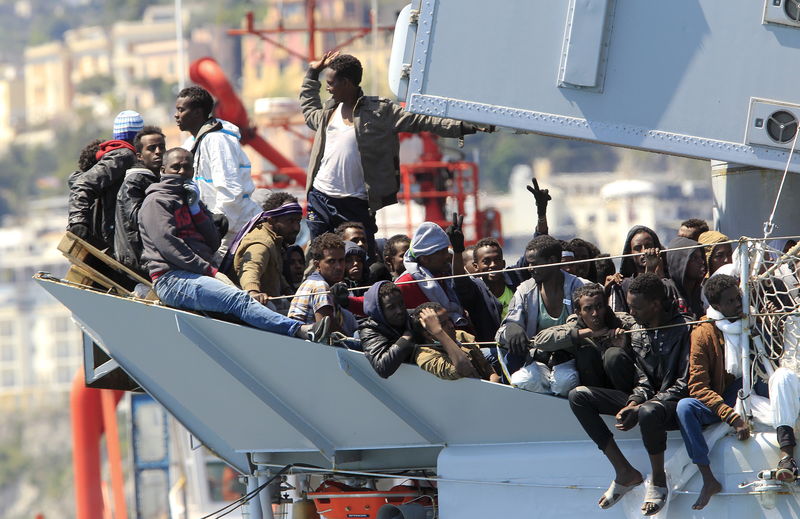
column 320, row 331
column 787, row 469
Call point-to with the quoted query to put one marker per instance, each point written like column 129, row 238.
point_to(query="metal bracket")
column 386, row 398
column 584, row 52
column 256, row 387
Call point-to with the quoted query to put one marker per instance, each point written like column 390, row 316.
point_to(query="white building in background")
column 40, row 346
column 602, row 206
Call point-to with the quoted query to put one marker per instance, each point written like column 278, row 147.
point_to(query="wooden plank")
column 74, row 247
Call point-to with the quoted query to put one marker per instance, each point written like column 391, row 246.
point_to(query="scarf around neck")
column 734, row 336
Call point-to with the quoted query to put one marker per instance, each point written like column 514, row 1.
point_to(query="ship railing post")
column 747, row 383
column 265, row 496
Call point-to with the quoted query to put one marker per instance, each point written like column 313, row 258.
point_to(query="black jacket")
column 484, row 321
column 93, row 195
column 677, row 261
column 662, row 361
column 384, row 346
column 127, row 240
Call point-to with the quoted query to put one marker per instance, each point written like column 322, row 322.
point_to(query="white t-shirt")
column 340, row 173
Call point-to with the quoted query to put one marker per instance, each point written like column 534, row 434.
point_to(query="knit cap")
column 127, row 124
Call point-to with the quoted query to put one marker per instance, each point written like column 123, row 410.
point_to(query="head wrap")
column 287, row 208
column 710, row 238
column 127, row 124
column 428, row 239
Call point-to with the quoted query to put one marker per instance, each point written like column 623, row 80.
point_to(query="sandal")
column 656, row 496
column 787, row 469
column 615, row 492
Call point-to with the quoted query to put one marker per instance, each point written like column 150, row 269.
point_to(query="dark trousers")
column 613, row 368
column 325, row 213
column 655, row 417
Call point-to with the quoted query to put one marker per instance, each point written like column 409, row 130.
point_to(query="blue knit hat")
column 127, row 124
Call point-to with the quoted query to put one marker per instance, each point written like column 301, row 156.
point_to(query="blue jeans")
column 693, row 415
column 190, row 291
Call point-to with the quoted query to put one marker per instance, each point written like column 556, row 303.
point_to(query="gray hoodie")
column 173, row 238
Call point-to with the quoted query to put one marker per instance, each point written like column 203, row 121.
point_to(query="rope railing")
column 514, row 269
column 560, row 264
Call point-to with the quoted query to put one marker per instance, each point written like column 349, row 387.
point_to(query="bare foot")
column 709, row 489
column 628, row 479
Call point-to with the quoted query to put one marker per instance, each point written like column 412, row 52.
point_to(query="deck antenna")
column 769, row 226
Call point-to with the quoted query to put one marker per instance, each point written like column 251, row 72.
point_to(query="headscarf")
column 710, row 239
column 283, row 210
column 428, row 239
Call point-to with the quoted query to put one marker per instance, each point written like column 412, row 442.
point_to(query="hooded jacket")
column 384, row 346
column 617, row 296
column 222, row 172
column 662, row 361
column 127, row 240
column 377, row 121
column 173, row 238
column 93, row 193
column 628, row 266
column 677, row 261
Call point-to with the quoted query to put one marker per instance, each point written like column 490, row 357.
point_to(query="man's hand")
column 517, row 340
column 456, row 234
column 464, row 367
column 741, row 428
column 341, row 294
column 225, row 279
column 80, row 230
column 652, row 260
column 430, row 321
column 192, row 196
column 588, row 332
column 322, row 63
column 613, row 279
column 541, row 196
column 261, row 297
column 617, row 337
column 628, row 417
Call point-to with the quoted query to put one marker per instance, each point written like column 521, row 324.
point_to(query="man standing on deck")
column 354, row 168
column 222, row 170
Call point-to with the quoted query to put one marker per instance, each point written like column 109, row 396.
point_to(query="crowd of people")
column 655, row 344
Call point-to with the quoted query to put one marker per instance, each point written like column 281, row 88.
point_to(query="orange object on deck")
column 335, row 500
